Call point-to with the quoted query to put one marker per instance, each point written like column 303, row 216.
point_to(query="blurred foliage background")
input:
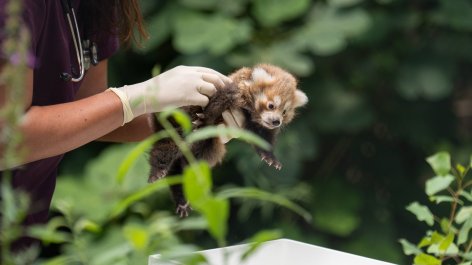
column 388, row 82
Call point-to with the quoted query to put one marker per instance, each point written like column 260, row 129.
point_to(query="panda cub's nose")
column 276, row 122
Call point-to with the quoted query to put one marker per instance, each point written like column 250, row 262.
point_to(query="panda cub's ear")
column 300, row 98
column 260, row 75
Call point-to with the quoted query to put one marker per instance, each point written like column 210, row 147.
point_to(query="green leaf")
column 422, row 213
column 253, row 193
column 197, row 183
column 258, row 239
column 328, row 30
column 464, row 232
column 446, row 243
column 183, row 120
column 425, row 259
column 461, row 169
column 441, row 163
column 156, row 70
column 273, row 12
column 445, row 225
column 140, row 194
column 215, row 131
column 438, row 184
column 466, row 194
column 467, row 256
column 440, row 199
column 84, row 224
column 463, row 214
column 465, row 263
column 435, row 249
column 48, row 235
column 135, row 153
column 137, row 235
column 408, row 248
column 216, row 212
column 426, row 241
column 221, row 33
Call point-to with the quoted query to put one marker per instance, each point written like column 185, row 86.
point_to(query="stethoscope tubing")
column 74, row 28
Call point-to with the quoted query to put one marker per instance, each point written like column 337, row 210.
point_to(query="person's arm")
column 52, row 130
column 96, row 81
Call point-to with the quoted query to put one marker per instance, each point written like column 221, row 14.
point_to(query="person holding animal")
column 67, row 100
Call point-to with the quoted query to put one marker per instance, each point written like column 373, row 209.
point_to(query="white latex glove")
column 232, row 118
column 179, row 86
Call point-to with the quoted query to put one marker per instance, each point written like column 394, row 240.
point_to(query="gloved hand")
column 179, row 86
column 232, row 118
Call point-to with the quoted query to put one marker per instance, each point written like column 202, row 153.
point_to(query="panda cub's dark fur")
column 266, row 95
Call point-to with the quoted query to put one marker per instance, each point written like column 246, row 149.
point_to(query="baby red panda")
column 266, row 95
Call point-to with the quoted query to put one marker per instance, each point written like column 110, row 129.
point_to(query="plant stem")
column 183, row 146
column 469, row 247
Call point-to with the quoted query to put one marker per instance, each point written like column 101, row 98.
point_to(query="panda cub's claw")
column 271, row 161
column 183, row 210
column 159, row 174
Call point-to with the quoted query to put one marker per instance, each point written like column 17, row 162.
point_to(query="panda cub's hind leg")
column 162, row 155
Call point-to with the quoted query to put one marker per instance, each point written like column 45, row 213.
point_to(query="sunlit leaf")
column 137, row 235
column 425, row 259
column 252, row 193
column 258, row 239
column 446, row 243
column 438, row 184
column 440, row 162
column 183, row 120
column 464, row 232
column 426, row 241
column 48, row 235
column 409, row 248
column 84, row 224
column 216, row 212
column 422, row 213
column 440, row 199
column 435, row 249
column 463, row 214
column 215, row 131
column 197, row 183
column 466, row 194
column 461, row 169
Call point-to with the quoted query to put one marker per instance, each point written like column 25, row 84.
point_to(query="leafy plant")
column 113, row 223
column 448, row 239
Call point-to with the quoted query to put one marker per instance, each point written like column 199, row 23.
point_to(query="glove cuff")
column 127, row 112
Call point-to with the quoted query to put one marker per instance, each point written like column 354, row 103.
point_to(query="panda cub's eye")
column 270, row 105
column 284, row 112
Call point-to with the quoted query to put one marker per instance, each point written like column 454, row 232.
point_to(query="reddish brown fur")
column 268, row 99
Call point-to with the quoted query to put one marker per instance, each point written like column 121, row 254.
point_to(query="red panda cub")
column 266, row 95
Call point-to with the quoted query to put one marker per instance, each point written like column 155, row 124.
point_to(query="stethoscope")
column 85, row 51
